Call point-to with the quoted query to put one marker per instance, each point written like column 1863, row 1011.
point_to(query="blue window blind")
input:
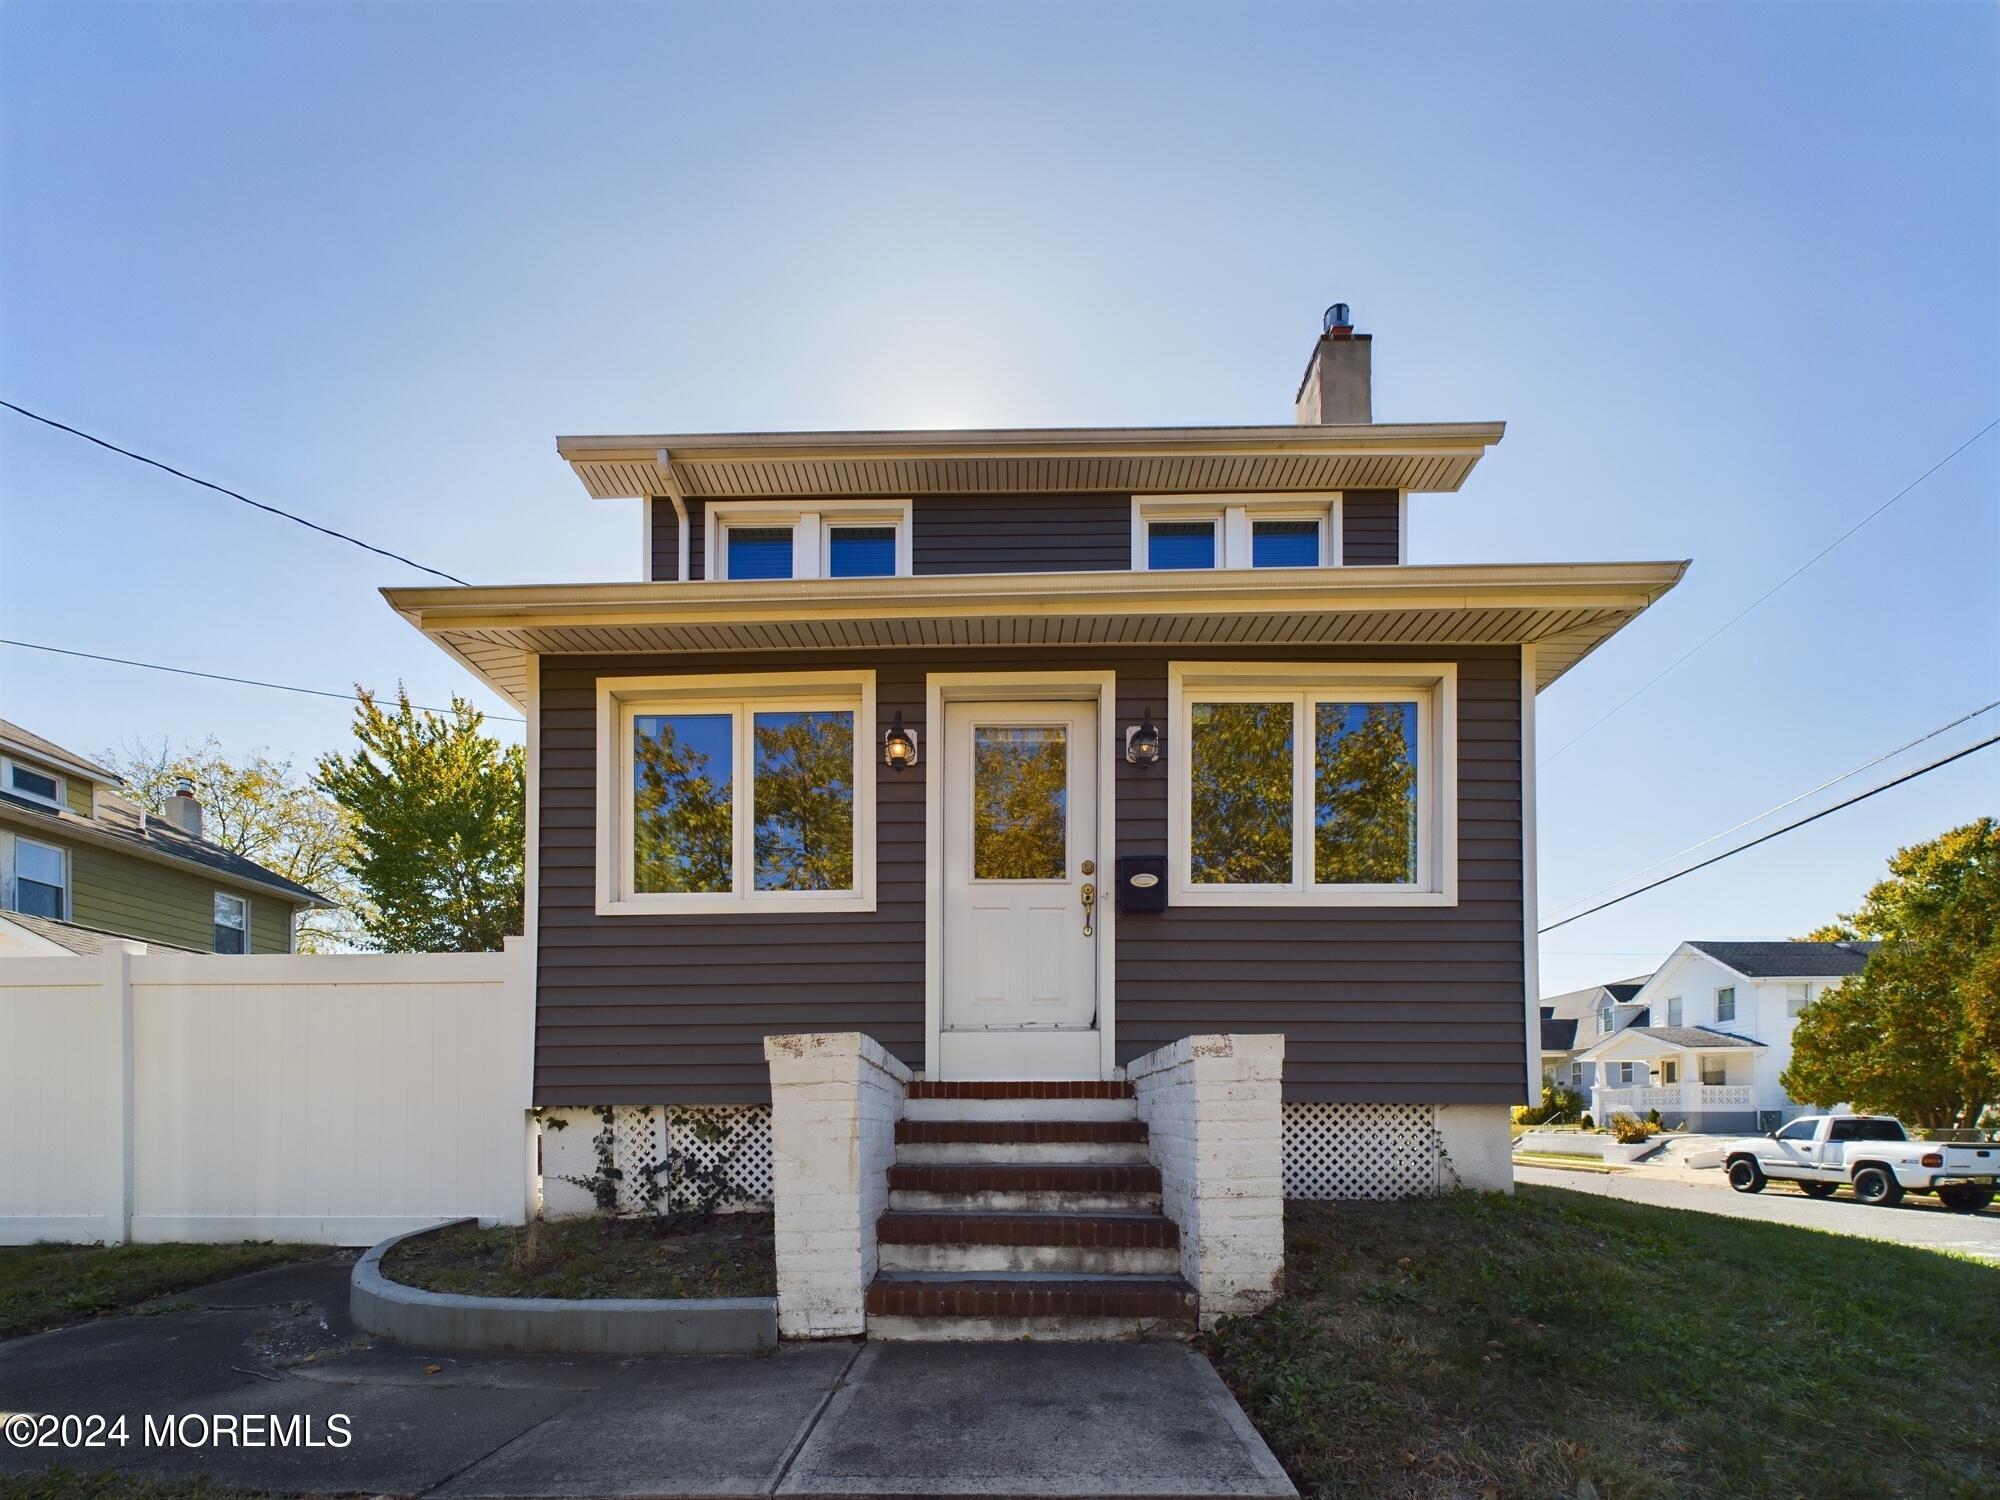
column 1180, row 544
column 760, row 552
column 1284, row 544
column 861, row 552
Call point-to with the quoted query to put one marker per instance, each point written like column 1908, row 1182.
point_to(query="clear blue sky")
column 1728, row 273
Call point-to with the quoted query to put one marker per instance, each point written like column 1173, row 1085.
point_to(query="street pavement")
column 1922, row 1222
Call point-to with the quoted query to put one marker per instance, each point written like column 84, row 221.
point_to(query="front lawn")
column 1482, row 1345
column 730, row 1255
column 47, row 1286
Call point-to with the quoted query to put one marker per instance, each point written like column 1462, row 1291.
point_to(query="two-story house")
column 1027, row 752
column 1705, row 1039
column 82, row 867
column 1574, row 1022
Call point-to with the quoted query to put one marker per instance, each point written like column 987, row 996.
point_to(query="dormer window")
column 32, row 785
column 1604, row 1021
column 1234, row 531
column 818, row 539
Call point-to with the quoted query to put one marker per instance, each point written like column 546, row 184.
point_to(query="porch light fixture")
column 899, row 746
column 1142, row 743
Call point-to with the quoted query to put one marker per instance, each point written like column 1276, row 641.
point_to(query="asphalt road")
column 1922, row 1222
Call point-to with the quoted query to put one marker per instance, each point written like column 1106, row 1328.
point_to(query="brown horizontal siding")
column 1021, row 533
column 1417, row 1004
column 666, row 558
column 1370, row 529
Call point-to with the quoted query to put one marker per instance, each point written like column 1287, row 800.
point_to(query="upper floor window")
column 736, row 793
column 36, row 786
column 1674, row 1010
column 232, row 923
column 1604, row 1021
column 1236, row 531
column 41, row 880
column 1297, row 788
column 1797, row 998
column 817, row 539
column 1725, row 1003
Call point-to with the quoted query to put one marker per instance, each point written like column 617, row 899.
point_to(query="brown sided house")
column 1026, row 752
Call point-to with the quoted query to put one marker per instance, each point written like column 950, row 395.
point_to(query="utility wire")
column 340, row 536
column 281, row 687
column 1788, row 802
column 1774, row 588
column 1776, row 832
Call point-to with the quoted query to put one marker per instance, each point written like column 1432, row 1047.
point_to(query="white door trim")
column 995, row 687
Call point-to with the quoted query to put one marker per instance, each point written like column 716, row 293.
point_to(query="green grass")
column 730, row 1256
column 68, row 1484
column 1479, row 1344
column 48, row 1286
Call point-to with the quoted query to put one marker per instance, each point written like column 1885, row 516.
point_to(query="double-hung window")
column 1302, row 786
column 1797, row 998
column 1714, row 1071
column 813, row 539
column 736, row 793
column 1674, row 1010
column 1725, row 1003
column 35, row 786
column 1239, row 531
column 41, row 880
column 232, row 923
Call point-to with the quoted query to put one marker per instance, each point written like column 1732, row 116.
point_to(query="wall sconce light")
column 1142, row 743
column 899, row 746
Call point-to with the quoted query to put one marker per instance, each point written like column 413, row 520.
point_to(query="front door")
column 1022, row 884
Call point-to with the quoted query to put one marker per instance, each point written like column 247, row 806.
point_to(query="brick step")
column 1023, row 1153
column 1107, row 1230
column 1025, row 1177
column 1060, row 1088
column 1152, row 1300
column 1010, row 1132
column 935, row 1109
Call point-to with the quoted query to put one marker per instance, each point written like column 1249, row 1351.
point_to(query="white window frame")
column 1721, row 1067
column 245, row 901
column 1674, row 1011
column 1605, row 1024
column 619, row 699
column 1234, row 517
column 811, row 524
column 13, row 874
column 1804, row 997
column 1432, row 686
column 1730, row 991
column 59, row 802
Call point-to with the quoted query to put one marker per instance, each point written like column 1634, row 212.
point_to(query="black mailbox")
column 1142, row 882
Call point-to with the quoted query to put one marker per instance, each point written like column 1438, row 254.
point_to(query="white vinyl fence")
column 331, row 1099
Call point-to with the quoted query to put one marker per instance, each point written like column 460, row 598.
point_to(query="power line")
column 281, row 687
column 232, row 494
column 1788, row 802
column 1776, row 832
column 1697, row 646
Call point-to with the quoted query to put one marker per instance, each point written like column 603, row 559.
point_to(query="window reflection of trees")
column 803, row 787
column 1240, row 794
column 681, row 803
column 1020, row 802
column 1365, row 797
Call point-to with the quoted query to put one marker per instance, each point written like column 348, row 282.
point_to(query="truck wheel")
column 1964, row 1199
column 1745, row 1175
column 1817, row 1189
column 1877, row 1187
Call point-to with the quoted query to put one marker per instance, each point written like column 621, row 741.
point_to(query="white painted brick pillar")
column 835, row 1101
column 1215, row 1121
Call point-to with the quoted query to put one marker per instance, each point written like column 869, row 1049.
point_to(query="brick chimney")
column 184, row 809
column 1336, row 387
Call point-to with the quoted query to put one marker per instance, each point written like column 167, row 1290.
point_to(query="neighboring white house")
column 1705, row 1039
column 1573, row 1022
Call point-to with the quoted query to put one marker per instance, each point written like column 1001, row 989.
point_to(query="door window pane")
column 1365, row 793
column 802, row 788
column 760, row 552
column 38, row 880
column 861, row 552
column 1284, row 544
column 1020, row 802
column 1180, row 544
column 232, row 924
column 682, row 786
column 1240, row 794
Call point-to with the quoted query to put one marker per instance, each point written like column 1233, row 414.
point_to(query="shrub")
column 1628, row 1130
column 1558, row 1103
column 1587, row 1123
column 1653, row 1118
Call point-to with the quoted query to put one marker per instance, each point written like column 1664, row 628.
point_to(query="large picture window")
column 1307, row 786
column 734, row 793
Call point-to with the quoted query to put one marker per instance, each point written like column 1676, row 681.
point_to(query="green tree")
column 1916, row 1033
column 264, row 810
column 437, row 812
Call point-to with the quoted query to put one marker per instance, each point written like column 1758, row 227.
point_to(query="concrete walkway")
column 820, row 1419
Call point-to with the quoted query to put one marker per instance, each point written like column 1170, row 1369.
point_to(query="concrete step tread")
column 1040, row 1278
column 1032, row 1176
column 1029, row 1295
column 1081, row 1230
column 1061, row 1088
column 1018, row 1132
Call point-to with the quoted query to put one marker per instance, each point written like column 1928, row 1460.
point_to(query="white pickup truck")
column 1873, row 1154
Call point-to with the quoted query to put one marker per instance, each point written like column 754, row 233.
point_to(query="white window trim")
column 1804, row 1001
column 618, row 698
column 13, row 871
column 59, row 802
column 810, row 522
column 1730, row 991
column 1433, row 685
column 1234, row 517
column 235, row 896
column 1673, row 1005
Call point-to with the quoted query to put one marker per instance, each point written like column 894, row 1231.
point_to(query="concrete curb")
column 553, row 1325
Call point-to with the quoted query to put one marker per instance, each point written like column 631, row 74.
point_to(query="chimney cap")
column 184, row 786
column 1337, row 316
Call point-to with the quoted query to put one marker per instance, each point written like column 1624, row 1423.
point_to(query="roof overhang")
column 1566, row 610
column 62, row 760
column 1634, row 1042
column 1419, row 456
column 69, row 826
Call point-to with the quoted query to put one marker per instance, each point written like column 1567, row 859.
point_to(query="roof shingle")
column 1789, row 960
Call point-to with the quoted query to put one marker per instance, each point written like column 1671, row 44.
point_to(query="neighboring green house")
column 82, row 867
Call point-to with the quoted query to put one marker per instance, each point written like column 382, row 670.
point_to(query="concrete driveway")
column 1922, row 1222
column 821, row 1419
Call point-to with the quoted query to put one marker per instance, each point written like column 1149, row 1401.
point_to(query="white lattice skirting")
column 1360, row 1150
column 641, row 1137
